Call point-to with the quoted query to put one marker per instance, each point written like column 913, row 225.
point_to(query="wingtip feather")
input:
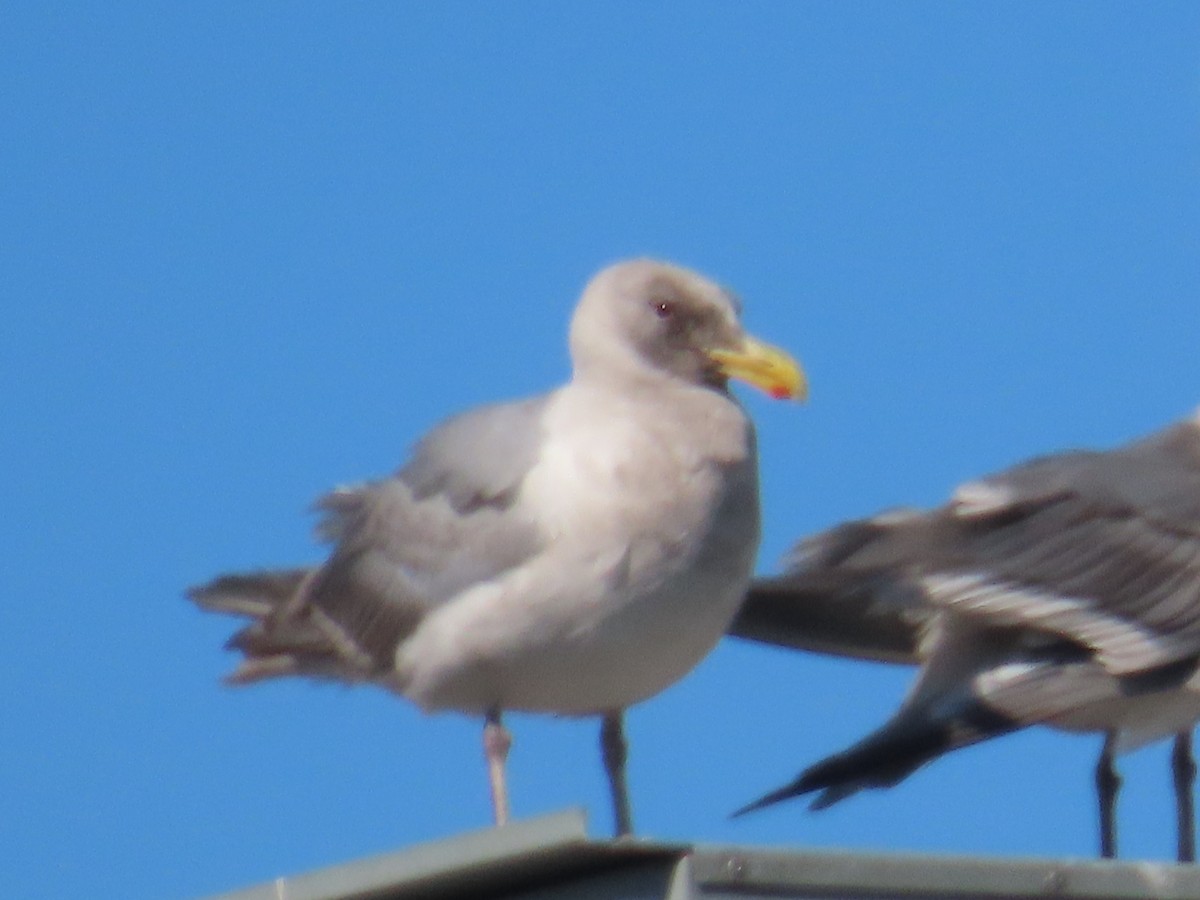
column 793, row 789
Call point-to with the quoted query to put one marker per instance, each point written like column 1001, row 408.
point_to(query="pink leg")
column 496, row 742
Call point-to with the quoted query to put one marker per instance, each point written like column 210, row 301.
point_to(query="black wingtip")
column 889, row 755
column 794, row 789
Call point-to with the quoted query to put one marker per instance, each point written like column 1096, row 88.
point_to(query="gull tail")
column 888, row 756
column 286, row 635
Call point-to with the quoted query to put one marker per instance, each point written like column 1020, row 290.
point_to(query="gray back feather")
column 444, row 522
column 479, row 457
column 1101, row 548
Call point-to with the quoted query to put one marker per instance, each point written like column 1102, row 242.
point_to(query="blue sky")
column 251, row 251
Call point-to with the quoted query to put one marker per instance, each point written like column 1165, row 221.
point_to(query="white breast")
column 634, row 586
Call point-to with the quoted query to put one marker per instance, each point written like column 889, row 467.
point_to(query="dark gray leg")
column 612, row 746
column 496, row 741
column 1183, row 767
column 1108, row 782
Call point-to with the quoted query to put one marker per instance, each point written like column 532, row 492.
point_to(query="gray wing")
column 1102, row 549
column 402, row 545
column 824, row 603
column 1055, row 591
column 478, row 458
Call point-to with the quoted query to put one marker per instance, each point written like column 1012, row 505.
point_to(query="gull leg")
column 496, row 741
column 1183, row 767
column 614, row 750
column 1108, row 782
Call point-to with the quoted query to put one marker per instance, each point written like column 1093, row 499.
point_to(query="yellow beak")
column 765, row 367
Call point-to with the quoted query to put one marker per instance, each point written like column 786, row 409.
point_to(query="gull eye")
column 664, row 309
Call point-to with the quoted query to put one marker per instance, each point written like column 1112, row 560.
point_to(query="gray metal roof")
column 552, row 858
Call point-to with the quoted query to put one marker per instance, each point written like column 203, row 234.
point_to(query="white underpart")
column 621, row 602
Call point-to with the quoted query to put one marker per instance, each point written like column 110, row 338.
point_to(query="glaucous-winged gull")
column 572, row 553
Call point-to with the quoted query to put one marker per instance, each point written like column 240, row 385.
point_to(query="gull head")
column 643, row 319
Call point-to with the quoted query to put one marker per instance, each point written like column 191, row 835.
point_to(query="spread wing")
column 1100, row 548
column 1055, row 591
